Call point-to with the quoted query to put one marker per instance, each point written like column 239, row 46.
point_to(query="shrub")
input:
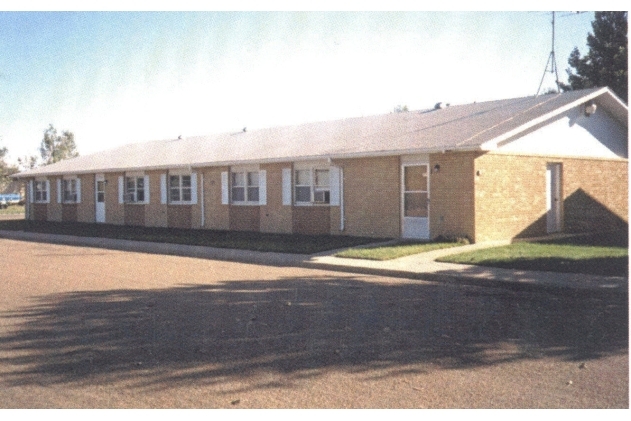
column 462, row 239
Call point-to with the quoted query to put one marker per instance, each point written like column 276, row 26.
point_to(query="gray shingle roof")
column 459, row 127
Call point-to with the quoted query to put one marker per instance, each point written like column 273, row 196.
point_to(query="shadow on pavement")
column 299, row 327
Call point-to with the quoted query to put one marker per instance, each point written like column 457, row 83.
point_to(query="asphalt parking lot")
column 93, row 328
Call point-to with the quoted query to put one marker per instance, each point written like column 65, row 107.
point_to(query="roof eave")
column 332, row 156
column 493, row 144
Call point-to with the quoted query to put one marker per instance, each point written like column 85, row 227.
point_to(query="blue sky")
column 120, row 77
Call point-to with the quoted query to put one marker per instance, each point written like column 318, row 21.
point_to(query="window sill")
column 309, row 204
column 245, row 204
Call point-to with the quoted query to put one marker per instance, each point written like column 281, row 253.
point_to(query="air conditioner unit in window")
column 321, row 197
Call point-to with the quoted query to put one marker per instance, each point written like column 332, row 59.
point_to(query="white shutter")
column 47, row 191
column 225, row 193
column 78, row 190
column 194, row 188
column 334, row 179
column 59, row 190
column 121, row 190
column 146, row 177
column 286, row 180
column 163, row 189
column 263, row 187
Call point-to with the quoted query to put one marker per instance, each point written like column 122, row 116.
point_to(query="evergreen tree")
column 605, row 64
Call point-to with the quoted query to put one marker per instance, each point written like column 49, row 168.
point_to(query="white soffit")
column 574, row 134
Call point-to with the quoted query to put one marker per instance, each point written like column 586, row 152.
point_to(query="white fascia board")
column 252, row 162
column 492, row 144
column 334, row 156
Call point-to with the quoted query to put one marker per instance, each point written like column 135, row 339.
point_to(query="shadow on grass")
column 603, row 266
column 575, row 254
column 256, row 241
column 298, row 327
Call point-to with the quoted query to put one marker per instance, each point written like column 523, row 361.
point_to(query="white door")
column 553, row 197
column 415, row 201
column 99, row 189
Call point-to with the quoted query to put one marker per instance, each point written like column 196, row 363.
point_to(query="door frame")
column 415, row 227
column 99, row 207
column 554, row 197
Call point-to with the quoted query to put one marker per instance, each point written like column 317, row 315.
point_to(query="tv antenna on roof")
column 552, row 63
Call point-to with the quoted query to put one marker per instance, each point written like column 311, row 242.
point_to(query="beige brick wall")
column 275, row 217
column 39, row 212
column 135, row 215
column 155, row 211
column 69, row 212
column 372, row 197
column 451, row 208
column 86, row 210
column 335, row 218
column 179, row 216
column 245, row 218
column 595, row 195
column 217, row 216
column 114, row 212
column 311, row 220
column 510, row 196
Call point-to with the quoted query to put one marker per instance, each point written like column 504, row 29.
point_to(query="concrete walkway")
column 420, row 266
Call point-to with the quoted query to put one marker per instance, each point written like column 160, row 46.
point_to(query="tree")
column 605, row 64
column 55, row 148
column 28, row 162
column 5, row 169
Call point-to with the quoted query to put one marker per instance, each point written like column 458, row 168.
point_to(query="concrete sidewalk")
column 420, row 266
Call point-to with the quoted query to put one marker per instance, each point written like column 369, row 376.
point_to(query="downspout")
column 342, row 199
column 202, row 199
column 27, row 200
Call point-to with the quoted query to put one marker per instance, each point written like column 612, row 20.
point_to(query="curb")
column 477, row 276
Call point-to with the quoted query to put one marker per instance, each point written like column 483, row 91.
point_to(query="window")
column 245, row 187
column 416, row 191
column 69, row 191
column 313, row 186
column 134, row 189
column 180, row 188
column 322, row 189
column 41, row 191
column 100, row 191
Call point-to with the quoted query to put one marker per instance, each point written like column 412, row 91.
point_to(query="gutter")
column 393, row 152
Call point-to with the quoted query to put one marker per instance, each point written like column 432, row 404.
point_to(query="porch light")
column 590, row 108
column 436, row 168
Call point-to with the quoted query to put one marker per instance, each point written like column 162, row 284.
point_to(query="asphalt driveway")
column 95, row 328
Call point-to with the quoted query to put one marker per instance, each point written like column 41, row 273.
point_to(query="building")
column 491, row 170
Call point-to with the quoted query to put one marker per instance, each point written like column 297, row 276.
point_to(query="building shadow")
column 582, row 213
column 299, row 328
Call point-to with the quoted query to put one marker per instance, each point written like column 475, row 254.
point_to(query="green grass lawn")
column 283, row 243
column 598, row 254
column 393, row 251
column 13, row 210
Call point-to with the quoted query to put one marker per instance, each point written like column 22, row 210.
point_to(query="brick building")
column 491, row 170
